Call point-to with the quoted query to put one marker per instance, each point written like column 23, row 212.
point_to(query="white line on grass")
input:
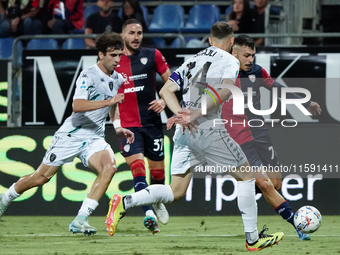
column 127, row 235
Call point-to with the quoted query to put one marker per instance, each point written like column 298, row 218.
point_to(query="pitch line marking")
column 129, row 235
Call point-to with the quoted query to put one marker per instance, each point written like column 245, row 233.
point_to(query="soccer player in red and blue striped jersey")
column 140, row 113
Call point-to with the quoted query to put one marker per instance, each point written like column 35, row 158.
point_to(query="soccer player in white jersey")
column 82, row 134
column 207, row 145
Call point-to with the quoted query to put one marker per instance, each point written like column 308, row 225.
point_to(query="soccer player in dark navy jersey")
column 140, row 113
column 255, row 140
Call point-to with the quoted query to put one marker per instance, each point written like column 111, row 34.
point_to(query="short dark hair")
column 131, row 21
column 244, row 40
column 109, row 40
column 221, row 29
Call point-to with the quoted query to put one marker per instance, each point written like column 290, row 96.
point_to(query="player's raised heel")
column 265, row 240
column 151, row 224
column 161, row 212
column 115, row 214
column 82, row 226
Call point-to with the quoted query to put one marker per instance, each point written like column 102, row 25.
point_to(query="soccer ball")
column 307, row 219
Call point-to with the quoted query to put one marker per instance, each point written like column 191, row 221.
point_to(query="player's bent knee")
column 137, row 168
column 108, row 172
column 264, row 184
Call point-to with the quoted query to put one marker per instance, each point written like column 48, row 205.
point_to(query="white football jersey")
column 200, row 74
column 92, row 84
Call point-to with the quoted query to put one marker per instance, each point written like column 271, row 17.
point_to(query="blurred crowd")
column 31, row 17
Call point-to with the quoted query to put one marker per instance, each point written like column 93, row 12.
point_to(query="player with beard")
column 104, row 20
column 140, row 113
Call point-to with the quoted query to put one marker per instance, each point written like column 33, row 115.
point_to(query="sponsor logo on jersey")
column 125, row 77
column 136, row 77
column 101, row 79
column 111, row 85
column 144, row 61
column 84, row 75
column 252, row 77
column 83, row 85
column 134, row 89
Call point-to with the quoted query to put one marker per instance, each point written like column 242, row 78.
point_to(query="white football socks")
column 88, row 206
column 248, row 207
column 10, row 195
column 153, row 194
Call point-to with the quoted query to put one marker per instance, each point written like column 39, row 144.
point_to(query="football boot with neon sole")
column 115, row 214
column 265, row 240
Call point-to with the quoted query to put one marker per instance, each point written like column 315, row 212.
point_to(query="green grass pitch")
column 34, row 235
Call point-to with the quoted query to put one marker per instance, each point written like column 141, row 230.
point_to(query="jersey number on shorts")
column 158, row 144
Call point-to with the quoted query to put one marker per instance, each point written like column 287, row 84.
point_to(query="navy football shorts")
column 148, row 140
column 260, row 153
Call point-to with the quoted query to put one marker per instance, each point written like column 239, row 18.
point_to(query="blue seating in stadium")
column 6, row 47
column 74, row 43
column 167, row 18
column 145, row 13
column 201, row 18
column 228, row 10
column 42, row 44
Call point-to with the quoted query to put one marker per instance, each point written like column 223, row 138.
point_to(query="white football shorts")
column 64, row 149
column 207, row 147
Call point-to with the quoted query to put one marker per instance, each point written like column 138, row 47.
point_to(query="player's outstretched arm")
column 223, row 93
column 83, row 105
column 168, row 95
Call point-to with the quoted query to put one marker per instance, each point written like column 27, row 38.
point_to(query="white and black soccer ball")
column 307, row 219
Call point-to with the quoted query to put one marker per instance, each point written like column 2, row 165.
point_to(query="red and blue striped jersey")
column 139, row 87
